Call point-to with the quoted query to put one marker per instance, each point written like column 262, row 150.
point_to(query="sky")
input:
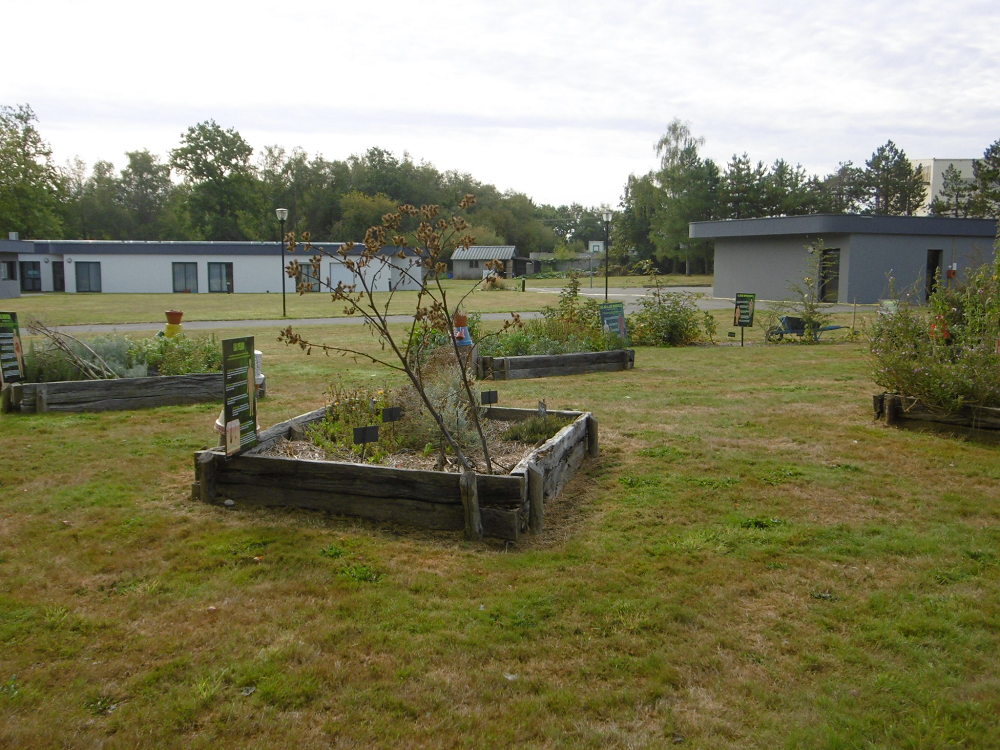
column 561, row 100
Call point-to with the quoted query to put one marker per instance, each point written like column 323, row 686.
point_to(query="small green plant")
column 333, row 551
column 10, row 689
column 349, row 408
column 361, row 573
column 535, row 429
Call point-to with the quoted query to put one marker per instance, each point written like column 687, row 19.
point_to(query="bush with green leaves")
column 47, row 363
column 180, row 354
column 116, row 355
column 670, row 319
column 946, row 354
column 573, row 325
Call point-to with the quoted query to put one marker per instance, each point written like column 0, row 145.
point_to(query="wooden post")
column 5, row 399
column 892, row 409
column 41, row 398
column 16, row 396
column 536, row 499
column 467, row 484
column 593, row 446
column 204, row 472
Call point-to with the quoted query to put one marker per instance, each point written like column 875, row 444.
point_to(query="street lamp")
column 607, row 244
column 282, row 214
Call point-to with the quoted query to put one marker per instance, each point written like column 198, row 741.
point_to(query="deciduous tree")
column 31, row 187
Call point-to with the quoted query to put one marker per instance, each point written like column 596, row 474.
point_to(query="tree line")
column 657, row 207
column 213, row 187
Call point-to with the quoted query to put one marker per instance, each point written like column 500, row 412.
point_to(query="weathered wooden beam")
column 901, row 409
column 5, row 398
column 204, row 473
column 123, row 393
column 593, row 442
column 41, row 397
column 470, row 503
column 548, row 365
column 536, row 499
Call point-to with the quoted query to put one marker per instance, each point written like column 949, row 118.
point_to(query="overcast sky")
column 558, row 99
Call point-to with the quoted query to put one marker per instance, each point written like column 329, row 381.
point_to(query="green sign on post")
column 743, row 315
column 613, row 319
column 11, row 353
column 240, row 405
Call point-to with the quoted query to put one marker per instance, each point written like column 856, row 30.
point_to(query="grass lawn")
column 72, row 309
column 751, row 563
column 626, row 282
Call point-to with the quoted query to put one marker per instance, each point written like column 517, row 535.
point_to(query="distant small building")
column 471, row 263
column 932, row 170
column 79, row 266
column 766, row 256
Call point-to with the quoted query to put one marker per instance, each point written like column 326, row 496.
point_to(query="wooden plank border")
column 543, row 366
column 114, row 395
column 428, row 499
column 896, row 410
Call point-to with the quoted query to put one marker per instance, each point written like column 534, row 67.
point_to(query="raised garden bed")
column 508, row 504
column 543, row 366
column 897, row 410
column 107, row 395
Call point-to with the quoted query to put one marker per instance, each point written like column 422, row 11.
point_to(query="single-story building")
column 471, row 263
column 196, row 267
column 860, row 253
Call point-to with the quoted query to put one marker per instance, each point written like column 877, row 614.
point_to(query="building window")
column 31, row 276
column 88, row 276
column 307, row 282
column 185, row 277
column 473, row 264
column 220, row 277
column 8, row 270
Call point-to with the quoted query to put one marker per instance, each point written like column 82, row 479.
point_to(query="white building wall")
column 153, row 273
column 933, row 173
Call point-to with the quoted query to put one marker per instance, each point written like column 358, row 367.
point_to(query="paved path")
column 630, row 296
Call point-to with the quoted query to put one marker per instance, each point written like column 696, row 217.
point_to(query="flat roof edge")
column 842, row 224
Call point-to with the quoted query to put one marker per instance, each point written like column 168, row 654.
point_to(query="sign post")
column 743, row 314
column 11, row 353
column 240, row 404
column 613, row 319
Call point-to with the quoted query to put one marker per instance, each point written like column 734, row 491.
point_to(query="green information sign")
column 240, row 405
column 743, row 315
column 613, row 319
column 11, row 354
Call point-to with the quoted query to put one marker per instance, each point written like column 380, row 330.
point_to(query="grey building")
column 767, row 256
column 471, row 263
column 9, row 284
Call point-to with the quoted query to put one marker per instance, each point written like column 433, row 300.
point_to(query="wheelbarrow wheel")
column 773, row 335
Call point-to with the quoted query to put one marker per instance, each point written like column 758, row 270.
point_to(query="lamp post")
column 282, row 214
column 607, row 256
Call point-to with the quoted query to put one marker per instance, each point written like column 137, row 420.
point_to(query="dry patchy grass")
column 750, row 563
